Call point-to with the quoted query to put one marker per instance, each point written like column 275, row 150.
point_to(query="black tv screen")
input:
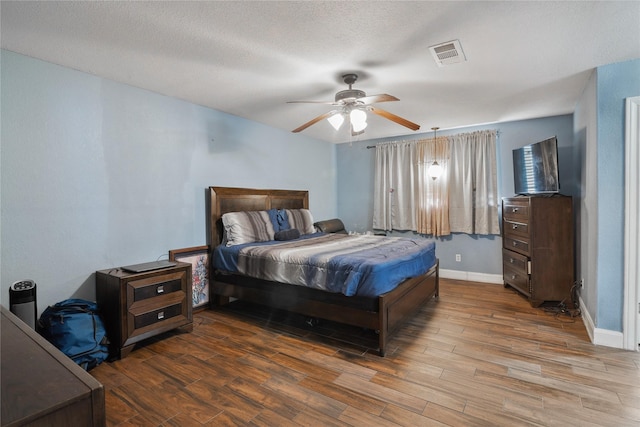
column 535, row 168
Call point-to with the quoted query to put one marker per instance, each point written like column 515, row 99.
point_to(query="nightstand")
column 137, row 306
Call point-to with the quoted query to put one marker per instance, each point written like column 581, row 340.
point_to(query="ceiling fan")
column 354, row 103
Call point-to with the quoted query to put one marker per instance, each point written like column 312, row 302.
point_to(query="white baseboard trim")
column 586, row 319
column 472, row 276
column 608, row 338
column 600, row 336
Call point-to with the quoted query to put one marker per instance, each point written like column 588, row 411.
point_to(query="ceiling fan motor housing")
column 350, row 94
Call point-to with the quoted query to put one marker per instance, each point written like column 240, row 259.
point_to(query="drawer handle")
column 513, row 277
column 160, row 289
column 514, row 210
column 511, row 260
column 515, row 243
column 161, row 315
column 514, row 226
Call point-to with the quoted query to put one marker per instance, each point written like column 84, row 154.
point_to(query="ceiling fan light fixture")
column 359, row 127
column 336, row 121
column 358, row 120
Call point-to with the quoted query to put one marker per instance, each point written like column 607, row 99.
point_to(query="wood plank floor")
column 477, row 356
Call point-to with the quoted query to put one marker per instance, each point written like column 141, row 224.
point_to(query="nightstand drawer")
column 145, row 291
column 156, row 316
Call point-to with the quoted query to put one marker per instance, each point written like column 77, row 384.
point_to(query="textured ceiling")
column 524, row 59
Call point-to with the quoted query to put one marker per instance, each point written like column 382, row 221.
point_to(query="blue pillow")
column 279, row 219
column 283, row 220
column 273, row 217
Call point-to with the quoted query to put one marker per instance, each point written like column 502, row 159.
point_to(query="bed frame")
column 384, row 314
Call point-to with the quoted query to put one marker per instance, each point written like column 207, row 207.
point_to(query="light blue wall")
column 615, row 82
column 480, row 254
column 97, row 174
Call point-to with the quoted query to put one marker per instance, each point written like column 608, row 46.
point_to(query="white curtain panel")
column 472, row 195
column 473, row 188
column 395, row 189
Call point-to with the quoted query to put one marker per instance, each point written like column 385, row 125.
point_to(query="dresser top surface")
column 35, row 376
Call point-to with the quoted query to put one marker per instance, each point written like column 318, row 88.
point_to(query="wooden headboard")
column 229, row 199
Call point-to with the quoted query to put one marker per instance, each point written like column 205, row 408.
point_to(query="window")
column 463, row 200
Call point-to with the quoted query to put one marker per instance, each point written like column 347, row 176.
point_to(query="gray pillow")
column 290, row 234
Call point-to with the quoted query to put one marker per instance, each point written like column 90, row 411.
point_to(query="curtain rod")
column 496, row 130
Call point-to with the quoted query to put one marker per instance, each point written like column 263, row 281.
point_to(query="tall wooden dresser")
column 538, row 247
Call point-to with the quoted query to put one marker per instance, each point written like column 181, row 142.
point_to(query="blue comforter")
column 361, row 265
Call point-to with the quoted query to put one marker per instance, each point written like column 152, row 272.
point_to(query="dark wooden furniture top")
column 40, row 385
column 385, row 313
column 136, row 306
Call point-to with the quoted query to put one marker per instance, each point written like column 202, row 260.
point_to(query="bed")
column 383, row 313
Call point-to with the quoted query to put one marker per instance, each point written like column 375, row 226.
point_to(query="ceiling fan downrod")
column 349, row 79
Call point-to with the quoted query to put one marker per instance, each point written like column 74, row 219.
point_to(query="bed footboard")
column 353, row 311
column 401, row 303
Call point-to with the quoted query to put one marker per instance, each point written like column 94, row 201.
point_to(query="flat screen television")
column 535, row 168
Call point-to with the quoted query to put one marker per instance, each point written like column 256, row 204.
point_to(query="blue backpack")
column 76, row 329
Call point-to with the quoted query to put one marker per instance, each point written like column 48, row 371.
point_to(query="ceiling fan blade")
column 372, row 99
column 394, row 118
column 314, row 121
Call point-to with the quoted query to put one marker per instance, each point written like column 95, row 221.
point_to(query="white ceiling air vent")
column 447, row 53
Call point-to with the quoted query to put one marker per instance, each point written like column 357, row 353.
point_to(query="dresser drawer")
column 516, row 210
column 517, row 279
column 516, row 229
column 517, row 244
column 515, row 261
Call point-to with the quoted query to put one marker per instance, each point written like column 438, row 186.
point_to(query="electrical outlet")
column 458, row 257
column 581, row 283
